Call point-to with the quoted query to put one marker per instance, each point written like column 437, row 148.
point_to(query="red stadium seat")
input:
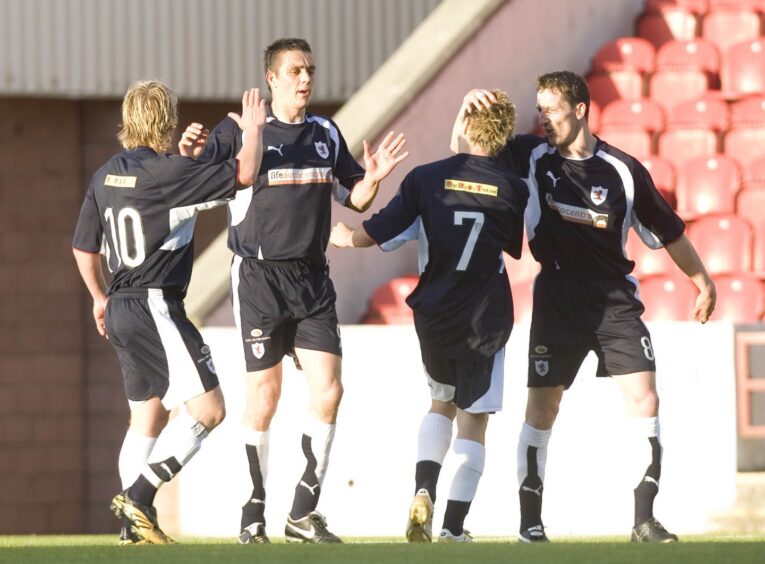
column 727, row 27
column 745, row 144
column 681, row 145
column 632, row 140
column 748, row 112
column 522, row 300
column 753, row 5
column 648, row 261
column 703, row 112
column 695, row 6
column 667, row 23
column 754, row 174
column 625, row 53
column 740, row 298
column 751, row 207
column 388, row 302
column 724, row 243
column 644, row 114
column 663, row 175
column 697, row 54
column 670, row 87
column 707, row 185
column 607, row 87
column 742, row 70
column 667, row 298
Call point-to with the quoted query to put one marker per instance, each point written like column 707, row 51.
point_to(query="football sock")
column 317, row 442
column 648, row 488
column 532, row 457
column 432, row 445
column 256, row 444
column 133, row 456
column 472, row 458
column 178, row 442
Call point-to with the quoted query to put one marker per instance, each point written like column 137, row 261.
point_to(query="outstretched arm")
column 378, row 165
column 345, row 237
column 89, row 265
column 686, row 257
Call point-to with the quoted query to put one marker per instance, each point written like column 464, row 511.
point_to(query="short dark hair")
column 272, row 52
column 572, row 86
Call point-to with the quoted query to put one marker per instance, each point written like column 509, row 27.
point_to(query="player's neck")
column 478, row 151
column 582, row 147
column 287, row 114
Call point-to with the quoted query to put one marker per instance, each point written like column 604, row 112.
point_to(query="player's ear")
column 270, row 76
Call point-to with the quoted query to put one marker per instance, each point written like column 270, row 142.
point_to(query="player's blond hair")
column 149, row 116
column 490, row 128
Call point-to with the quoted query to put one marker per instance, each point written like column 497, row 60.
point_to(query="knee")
column 644, row 405
column 211, row 414
column 542, row 415
column 260, row 410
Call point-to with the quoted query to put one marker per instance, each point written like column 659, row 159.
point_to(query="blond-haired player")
column 465, row 210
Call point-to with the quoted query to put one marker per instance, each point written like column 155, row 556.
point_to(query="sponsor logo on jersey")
column 552, row 176
column 321, row 149
column 584, row 216
column 258, row 350
column 117, row 181
column 598, row 195
column 282, row 176
column 540, row 349
column 472, row 187
column 542, row 367
column 256, row 332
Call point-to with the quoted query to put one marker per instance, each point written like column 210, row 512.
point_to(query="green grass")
column 101, row 548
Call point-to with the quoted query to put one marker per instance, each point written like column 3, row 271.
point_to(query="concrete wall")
column 523, row 39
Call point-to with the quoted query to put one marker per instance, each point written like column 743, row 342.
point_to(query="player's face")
column 292, row 82
column 560, row 120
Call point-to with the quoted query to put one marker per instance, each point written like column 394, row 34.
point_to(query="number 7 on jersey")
column 467, row 252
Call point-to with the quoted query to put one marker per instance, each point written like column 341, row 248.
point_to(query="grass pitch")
column 592, row 550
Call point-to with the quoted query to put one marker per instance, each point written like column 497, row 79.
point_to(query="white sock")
column 322, row 435
column 180, row 439
column 133, row 456
column 434, row 438
column 472, row 457
column 260, row 440
column 537, row 438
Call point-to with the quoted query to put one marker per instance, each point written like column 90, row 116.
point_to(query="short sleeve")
column 347, row 170
column 88, row 233
column 652, row 210
column 190, row 182
column 223, row 143
column 396, row 217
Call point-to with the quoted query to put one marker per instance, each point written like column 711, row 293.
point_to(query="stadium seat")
column 740, row 298
column 750, row 205
column 694, row 6
column 754, row 174
column 594, row 117
column 670, row 87
column 742, row 70
column 625, row 53
column 644, row 114
column 680, row 145
column 707, row 185
column 753, row 5
column 632, row 140
column 724, row 243
column 748, row 112
column 663, row 175
column 745, row 144
column 697, row 54
column 522, row 300
column 648, row 262
column 388, row 302
column 606, row 87
column 667, row 23
column 706, row 112
column 668, row 298
column 726, row 27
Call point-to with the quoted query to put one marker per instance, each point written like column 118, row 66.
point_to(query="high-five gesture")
column 193, row 140
column 380, row 163
column 251, row 122
column 253, row 111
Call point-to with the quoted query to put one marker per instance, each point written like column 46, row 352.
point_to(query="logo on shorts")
column 598, row 195
column 540, row 349
column 542, row 367
column 258, row 349
column 205, row 349
column 322, row 149
column 256, row 332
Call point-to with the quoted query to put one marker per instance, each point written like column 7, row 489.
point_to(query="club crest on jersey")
column 211, row 366
column 322, row 149
column 258, row 350
column 598, row 195
column 542, row 367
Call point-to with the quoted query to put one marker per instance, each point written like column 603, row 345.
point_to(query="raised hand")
column 253, row 111
column 193, row 140
column 380, row 163
column 477, row 99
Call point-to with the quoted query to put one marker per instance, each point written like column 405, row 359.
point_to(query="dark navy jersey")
column 140, row 210
column 580, row 211
column 468, row 209
column 286, row 214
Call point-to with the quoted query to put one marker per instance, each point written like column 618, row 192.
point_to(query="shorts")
column 160, row 351
column 573, row 315
column 280, row 306
column 475, row 386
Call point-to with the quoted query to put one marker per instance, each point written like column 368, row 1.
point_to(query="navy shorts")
column 573, row 315
column 280, row 306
